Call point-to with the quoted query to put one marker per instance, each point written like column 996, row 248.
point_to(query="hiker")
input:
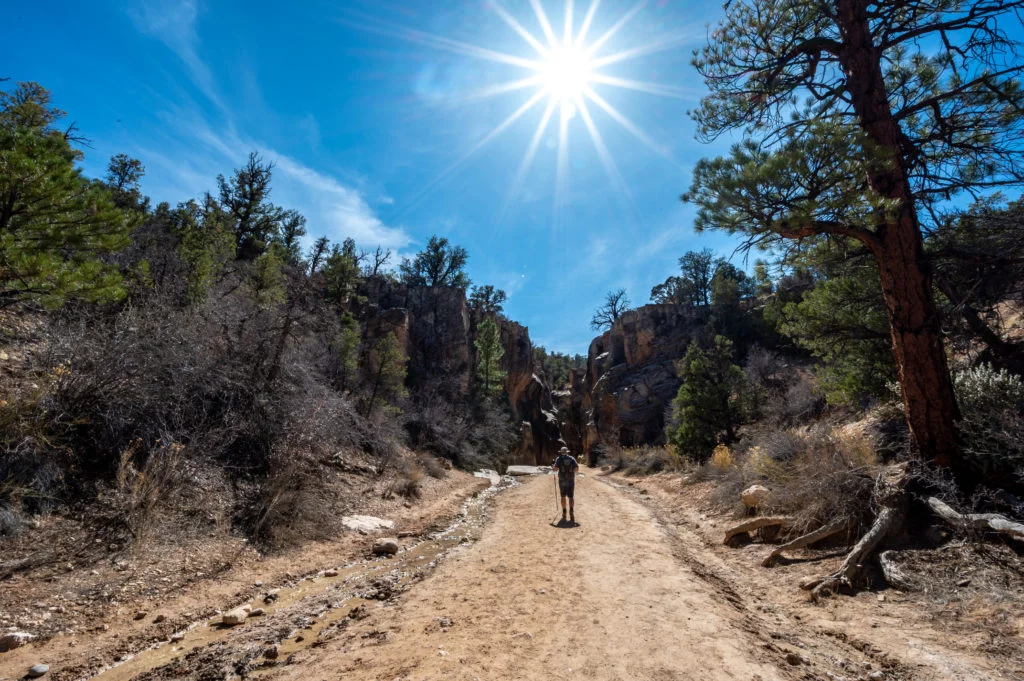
column 566, row 466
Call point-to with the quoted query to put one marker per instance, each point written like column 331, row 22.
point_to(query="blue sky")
column 366, row 109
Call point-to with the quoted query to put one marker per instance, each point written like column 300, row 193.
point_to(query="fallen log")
column 756, row 524
column 823, row 532
column 977, row 521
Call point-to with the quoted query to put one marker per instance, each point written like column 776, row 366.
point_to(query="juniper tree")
column 486, row 300
column 861, row 119
column 707, row 408
column 439, row 264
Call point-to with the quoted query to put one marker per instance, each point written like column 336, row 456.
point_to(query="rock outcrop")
column 435, row 329
column 630, row 380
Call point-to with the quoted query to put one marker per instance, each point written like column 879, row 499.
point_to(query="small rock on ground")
column 387, row 546
column 14, row 639
column 38, row 670
column 236, row 616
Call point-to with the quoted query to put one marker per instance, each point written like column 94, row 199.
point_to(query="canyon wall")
column 630, row 380
column 437, row 331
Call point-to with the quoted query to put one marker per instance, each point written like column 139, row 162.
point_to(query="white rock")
column 489, row 475
column 754, row 496
column 38, row 670
column 527, row 470
column 366, row 523
column 14, row 639
column 386, row 546
column 236, row 616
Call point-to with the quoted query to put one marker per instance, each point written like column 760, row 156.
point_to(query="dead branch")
column 756, row 524
column 817, row 535
column 977, row 521
column 894, row 574
column 891, row 498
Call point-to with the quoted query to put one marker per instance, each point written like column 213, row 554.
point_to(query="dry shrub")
column 432, row 466
column 409, row 481
column 826, row 474
column 646, row 460
column 799, row 401
column 295, row 504
column 722, row 459
column 146, row 481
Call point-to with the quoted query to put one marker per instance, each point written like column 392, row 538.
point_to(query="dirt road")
column 605, row 600
column 641, row 589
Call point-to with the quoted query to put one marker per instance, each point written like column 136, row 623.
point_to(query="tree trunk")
column 925, row 383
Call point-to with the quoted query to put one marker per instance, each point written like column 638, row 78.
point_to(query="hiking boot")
column 563, row 516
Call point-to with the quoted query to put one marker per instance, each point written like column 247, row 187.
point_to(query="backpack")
column 565, row 465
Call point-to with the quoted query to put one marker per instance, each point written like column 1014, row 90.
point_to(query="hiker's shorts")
column 566, row 488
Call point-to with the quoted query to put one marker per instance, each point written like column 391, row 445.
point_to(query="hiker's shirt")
column 567, row 467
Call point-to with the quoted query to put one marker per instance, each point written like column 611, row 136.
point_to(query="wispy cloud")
column 173, row 22
column 332, row 208
column 341, row 211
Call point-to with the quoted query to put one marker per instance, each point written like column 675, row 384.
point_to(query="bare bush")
column 147, row 480
column 647, row 460
column 828, row 478
column 432, row 466
column 409, row 481
column 295, row 504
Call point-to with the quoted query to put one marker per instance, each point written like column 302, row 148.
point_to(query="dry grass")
column 816, row 474
column 147, row 481
column 643, row 460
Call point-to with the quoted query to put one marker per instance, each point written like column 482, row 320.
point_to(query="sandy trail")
column 605, row 600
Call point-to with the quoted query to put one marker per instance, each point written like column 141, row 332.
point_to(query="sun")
column 566, row 73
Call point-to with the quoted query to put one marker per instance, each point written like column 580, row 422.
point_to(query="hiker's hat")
column 564, row 449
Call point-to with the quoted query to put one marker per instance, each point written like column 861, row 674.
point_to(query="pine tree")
column 859, row 118
column 246, row 197
column 486, row 300
column 489, row 352
column 55, row 225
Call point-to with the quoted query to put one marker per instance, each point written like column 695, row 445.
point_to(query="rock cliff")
column 630, row 380
column 436, row 330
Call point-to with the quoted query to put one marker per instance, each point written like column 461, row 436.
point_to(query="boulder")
column 387, row 546
column 14, row 639
column 236, row 616
column 366, row 523
column 754, row 496
column 38, row 670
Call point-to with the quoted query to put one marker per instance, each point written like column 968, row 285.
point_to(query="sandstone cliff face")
column 630, row 380
column 435, row 329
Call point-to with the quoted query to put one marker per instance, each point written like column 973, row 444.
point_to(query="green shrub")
column 992, row 423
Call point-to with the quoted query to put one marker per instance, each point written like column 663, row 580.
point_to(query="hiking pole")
column 558, row 498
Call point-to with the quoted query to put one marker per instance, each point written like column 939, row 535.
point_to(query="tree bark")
column 925, row 383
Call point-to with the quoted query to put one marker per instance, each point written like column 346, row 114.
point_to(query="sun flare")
column 564, row 70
